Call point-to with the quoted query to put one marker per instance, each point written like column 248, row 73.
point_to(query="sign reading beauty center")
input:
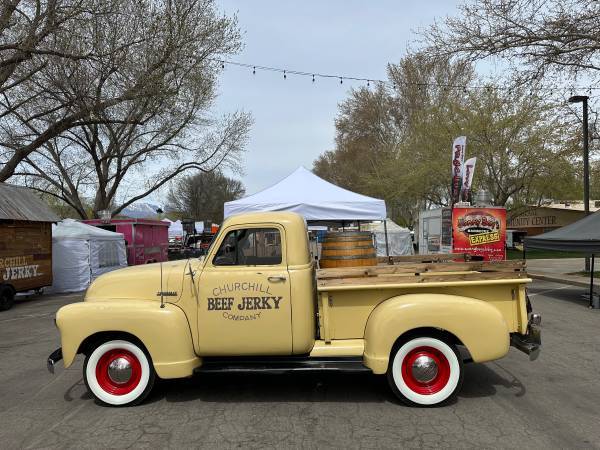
column 458, row 160
column 479, row 231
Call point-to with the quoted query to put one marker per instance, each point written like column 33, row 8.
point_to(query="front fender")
column 478, row 325
column 164, row 331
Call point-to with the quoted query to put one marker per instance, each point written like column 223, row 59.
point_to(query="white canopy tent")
column 82, row 252
column 313, row 198
column 175, row 228
column 399, row 238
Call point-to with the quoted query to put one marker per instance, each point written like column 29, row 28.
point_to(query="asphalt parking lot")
column 552, row 402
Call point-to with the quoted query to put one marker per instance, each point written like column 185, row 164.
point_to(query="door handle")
column 276, row 278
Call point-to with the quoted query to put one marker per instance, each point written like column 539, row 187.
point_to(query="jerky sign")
column 18, row 268
column 245, row 306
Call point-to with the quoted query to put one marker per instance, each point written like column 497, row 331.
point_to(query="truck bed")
column 345, row 294
column 409, row 273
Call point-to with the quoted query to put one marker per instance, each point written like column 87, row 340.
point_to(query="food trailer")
column 479, row 231
column 146, row 240
column 25, row 243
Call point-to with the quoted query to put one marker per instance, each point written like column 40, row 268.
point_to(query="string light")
column 383, row 83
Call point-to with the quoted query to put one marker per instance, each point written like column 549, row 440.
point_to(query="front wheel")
column 119, row 373
column 425, row 371
column 7, row 298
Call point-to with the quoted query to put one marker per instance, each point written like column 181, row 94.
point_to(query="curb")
column 557, row 279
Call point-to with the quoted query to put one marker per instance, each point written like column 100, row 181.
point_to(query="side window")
column 250, row 247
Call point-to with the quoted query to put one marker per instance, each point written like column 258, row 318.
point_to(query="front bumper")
column 54, row 357
column 531, row 342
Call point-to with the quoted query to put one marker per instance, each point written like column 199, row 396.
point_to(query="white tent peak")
column 72, row 229
column 312, row 197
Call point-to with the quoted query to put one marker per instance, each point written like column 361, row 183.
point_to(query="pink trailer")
column 147, row 240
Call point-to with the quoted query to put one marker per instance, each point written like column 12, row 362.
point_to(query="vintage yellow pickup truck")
column 256, row 302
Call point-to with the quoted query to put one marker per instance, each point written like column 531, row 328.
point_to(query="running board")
column 281, row 365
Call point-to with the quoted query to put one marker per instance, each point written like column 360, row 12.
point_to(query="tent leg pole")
column 592, row 282
column 387, row 246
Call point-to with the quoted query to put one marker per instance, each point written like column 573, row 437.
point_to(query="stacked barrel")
column 348, row 249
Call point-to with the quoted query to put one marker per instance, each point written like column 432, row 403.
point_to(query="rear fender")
column 477, row 324
column 165, row 332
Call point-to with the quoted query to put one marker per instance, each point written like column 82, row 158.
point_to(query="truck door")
column 244, row 294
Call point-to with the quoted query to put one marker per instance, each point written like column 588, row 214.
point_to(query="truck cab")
column 256, row 302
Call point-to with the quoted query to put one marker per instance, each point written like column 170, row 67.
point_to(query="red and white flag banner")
column 458, row 160
column 469, row 169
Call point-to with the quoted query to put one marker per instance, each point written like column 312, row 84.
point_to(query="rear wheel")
column 425, row 371
column 7, row 297
column 119, row 373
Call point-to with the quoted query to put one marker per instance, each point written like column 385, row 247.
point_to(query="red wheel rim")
column 430, row 386
column 110, row 385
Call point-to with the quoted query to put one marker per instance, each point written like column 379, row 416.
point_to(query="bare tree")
column 203, row 195
column 164, row 80
column 540, row 37
column 129, row 52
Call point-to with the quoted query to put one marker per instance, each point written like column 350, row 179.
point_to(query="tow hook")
column 54, row 357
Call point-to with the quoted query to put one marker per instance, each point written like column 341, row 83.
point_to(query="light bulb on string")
column 284, row 75
column 313, row 79
column 254, row 70
column 341, row 80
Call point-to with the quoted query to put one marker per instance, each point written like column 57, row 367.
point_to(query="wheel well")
column 92, row 341
column 439, row 333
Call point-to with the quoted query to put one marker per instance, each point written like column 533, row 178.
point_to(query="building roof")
column 20, row 203
column 572, row 205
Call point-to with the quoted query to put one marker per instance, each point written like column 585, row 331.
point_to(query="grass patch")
column 583, row 273
column 542, row 254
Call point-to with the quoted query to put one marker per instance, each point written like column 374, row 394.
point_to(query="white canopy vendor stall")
column 399, row 238
column 81, row 252
column 313, row 198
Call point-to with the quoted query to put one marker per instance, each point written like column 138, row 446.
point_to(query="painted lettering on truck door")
column 244, row 294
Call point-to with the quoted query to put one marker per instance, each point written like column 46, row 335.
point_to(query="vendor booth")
column 399, row 238
column 582, row 236
column 313, row 198
column 320, row 203
column 81, row 253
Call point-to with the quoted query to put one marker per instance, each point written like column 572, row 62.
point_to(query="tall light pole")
column 586, row 158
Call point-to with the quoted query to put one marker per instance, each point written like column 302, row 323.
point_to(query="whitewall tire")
column 118, row 373
column 425, row 371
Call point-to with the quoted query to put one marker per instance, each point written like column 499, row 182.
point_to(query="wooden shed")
column 25, row 242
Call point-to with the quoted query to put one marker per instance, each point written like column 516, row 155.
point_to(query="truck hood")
column 140, row 283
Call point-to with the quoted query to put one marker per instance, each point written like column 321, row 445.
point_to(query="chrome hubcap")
column 424, row 369
column 119, row 371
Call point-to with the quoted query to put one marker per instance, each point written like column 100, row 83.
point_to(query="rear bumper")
column 531, row 342
column 54, row 357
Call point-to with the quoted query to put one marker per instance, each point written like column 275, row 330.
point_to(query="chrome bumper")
column 531, row 342
column 54, row 357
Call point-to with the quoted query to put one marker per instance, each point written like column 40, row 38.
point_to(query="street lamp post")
column 586, row 159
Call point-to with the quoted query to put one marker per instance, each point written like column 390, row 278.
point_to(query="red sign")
column 479, row 231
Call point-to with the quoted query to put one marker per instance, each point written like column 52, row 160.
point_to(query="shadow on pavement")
column 480, row 381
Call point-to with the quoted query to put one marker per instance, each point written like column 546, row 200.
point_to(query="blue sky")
column 294, row 118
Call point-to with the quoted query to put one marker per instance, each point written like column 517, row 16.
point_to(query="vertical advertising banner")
column 480, row 232
column 469, row 169
column 458, row 160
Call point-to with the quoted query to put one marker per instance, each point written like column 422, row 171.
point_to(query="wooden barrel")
column 348, row 249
